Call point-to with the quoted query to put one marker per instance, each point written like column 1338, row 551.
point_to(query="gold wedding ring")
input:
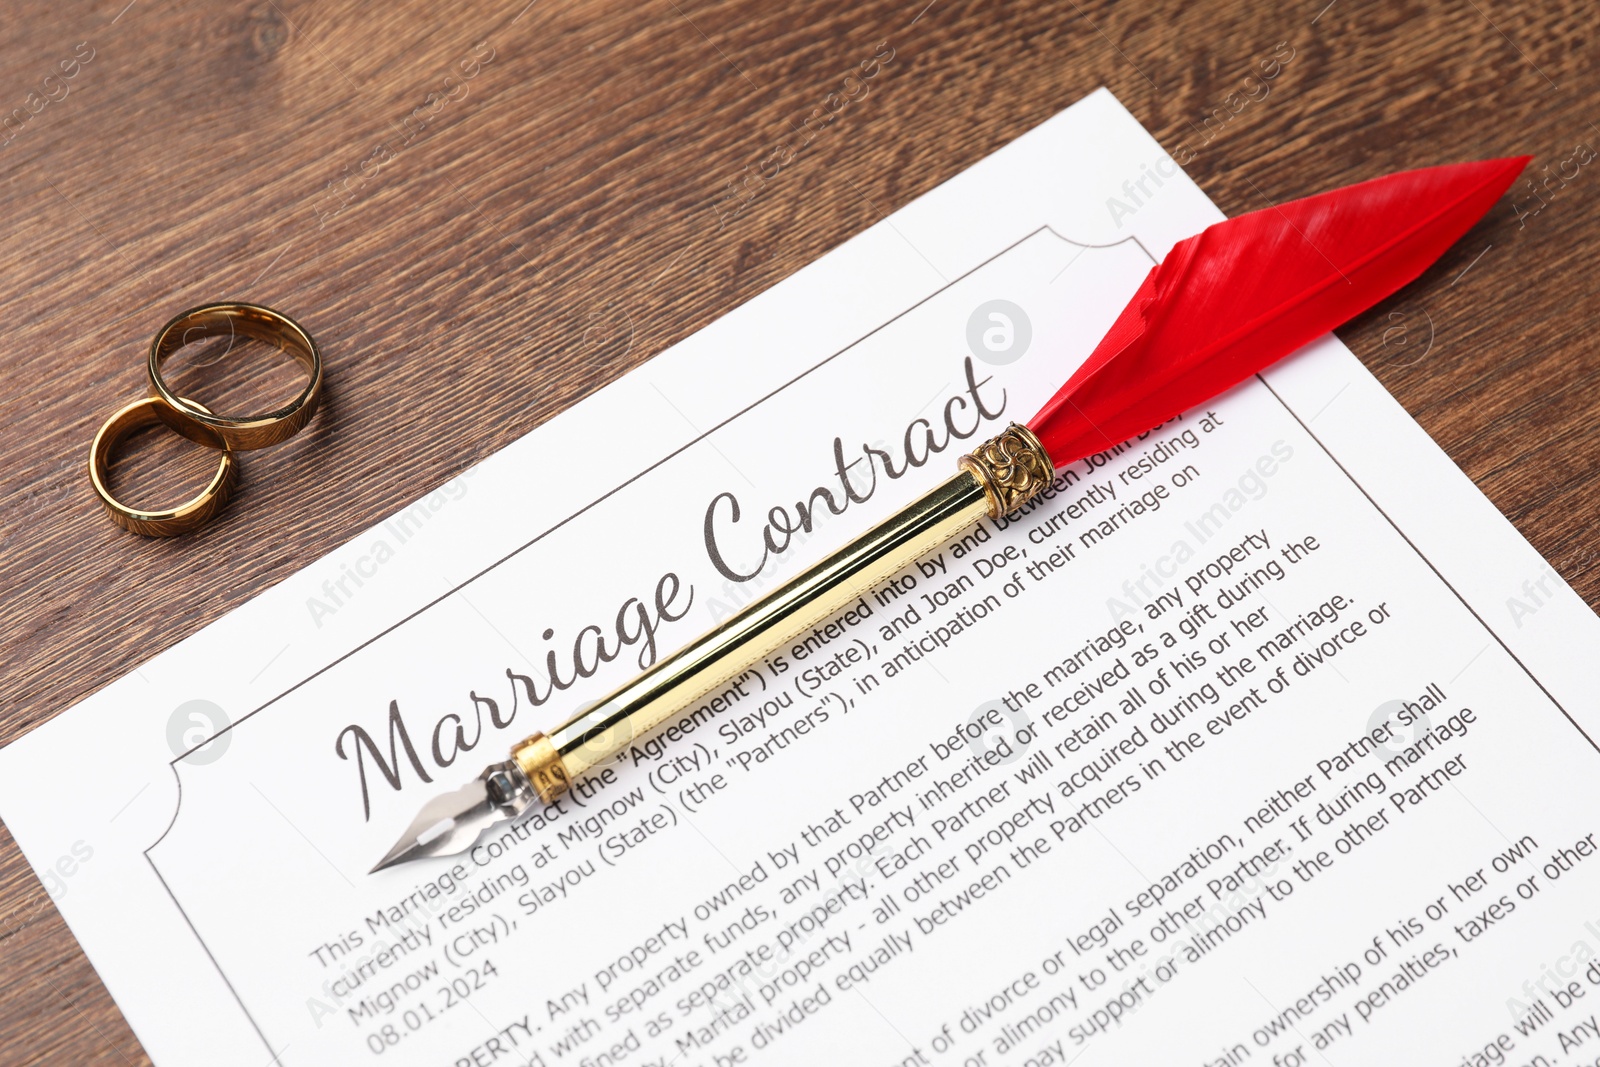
column 170, row 521
column 239, row 434
column 192, row 419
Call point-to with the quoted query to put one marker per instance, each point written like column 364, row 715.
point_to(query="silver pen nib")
column 451, row 822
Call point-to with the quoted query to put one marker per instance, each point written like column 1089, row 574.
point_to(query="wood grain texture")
column 556, row 221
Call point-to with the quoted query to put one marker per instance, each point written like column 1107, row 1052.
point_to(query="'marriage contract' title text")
column 398, row 749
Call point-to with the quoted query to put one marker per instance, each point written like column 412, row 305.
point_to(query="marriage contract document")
column 1262, row 739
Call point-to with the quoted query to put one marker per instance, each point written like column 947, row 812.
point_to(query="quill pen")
column 1221, row 306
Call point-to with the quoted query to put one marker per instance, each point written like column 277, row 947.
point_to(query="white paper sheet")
column 1008, row 817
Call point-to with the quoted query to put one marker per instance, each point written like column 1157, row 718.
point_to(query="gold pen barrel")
column 995, row 479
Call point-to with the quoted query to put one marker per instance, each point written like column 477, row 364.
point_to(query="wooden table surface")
column 485, row 210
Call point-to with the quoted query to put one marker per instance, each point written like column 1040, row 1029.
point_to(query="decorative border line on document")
column 701, row 437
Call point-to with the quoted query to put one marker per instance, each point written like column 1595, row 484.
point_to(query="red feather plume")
column 1246, row 292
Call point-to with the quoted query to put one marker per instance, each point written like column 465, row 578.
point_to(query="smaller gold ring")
column 239, row 434
column 171, row 521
